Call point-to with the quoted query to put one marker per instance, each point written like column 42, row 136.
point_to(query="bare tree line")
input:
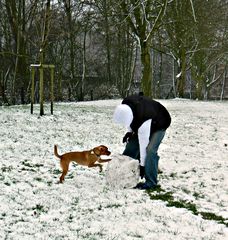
column 106, row 48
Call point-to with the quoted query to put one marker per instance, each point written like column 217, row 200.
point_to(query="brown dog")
column 85, row 158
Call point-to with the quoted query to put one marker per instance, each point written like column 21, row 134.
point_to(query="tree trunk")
column 42, row 53
column 82, row 92
column 182, row 78
column 45, row 32
column 158, row 84
column 107, row 40
column 174, row 79
column 133, row 65
column 17, row 23
column 68, row 9
column 59, row 84
column 199, row 88
column 146, row 81
column 223, row 83
column 2, row 88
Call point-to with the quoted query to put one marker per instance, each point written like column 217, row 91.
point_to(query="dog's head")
column 101, row 150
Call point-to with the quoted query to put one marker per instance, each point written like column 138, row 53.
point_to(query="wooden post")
column 41, row 68
column 41, row 90
column 52, row 89
column 32, row 88
column 91, row 95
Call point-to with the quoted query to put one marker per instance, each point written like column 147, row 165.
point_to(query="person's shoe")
column 139, row 185
column 144, row 186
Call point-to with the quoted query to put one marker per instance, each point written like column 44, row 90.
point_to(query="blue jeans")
column 152, row 158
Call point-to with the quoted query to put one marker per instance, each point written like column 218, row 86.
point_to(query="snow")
column 122, row 172
column 178, row 75
column 193, row 157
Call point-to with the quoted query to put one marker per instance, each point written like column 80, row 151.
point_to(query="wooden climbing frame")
column 41, row 68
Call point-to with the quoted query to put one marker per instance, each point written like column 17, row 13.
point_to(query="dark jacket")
column 143, row 109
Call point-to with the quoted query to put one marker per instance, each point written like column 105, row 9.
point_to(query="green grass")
column 114, row 205
column 6, row 169
column 160, row 194
column 212, row 216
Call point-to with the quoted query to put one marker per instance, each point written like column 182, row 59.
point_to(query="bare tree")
column 69, row 9
column 181, row 42
column 144, row 18
column 210, row 57
column 114, row 43
column 17, row 20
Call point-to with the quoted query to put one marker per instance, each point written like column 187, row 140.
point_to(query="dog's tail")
column 56, row 152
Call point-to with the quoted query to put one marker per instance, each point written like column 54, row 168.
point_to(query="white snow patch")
column 178, row 75
column 122, row 172
column 193, row 157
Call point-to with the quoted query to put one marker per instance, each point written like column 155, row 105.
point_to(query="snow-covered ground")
column 193, row 157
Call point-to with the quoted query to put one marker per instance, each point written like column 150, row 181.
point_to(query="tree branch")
column 157, row 21
column 193, row 11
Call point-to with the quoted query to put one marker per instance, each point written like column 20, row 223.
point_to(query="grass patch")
column 28, row 169
column 6, row 169
column 114, row 205
column 183, row 204
column 27, row 163
column 167, row 196
column 38, row 209
column 212, row 216
column 160, row 194
column 55, row 171
column 38, row 179
column 7, row 183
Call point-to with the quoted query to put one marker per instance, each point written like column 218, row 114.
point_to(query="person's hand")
column 142, row 172
column 127, row 137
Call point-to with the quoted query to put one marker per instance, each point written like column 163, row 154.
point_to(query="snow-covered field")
column 33, row 205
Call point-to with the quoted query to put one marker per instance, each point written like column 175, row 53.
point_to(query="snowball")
column 122, row 172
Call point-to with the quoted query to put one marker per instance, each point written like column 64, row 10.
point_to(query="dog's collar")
column 92, row 152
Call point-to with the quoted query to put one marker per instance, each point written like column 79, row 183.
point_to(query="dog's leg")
column 65, row 167
column 95, row 165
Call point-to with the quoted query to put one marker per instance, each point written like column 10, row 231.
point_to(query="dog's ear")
column 97, row 151
column 103, row 148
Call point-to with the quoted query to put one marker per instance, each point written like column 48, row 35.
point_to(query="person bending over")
column 146, row 121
